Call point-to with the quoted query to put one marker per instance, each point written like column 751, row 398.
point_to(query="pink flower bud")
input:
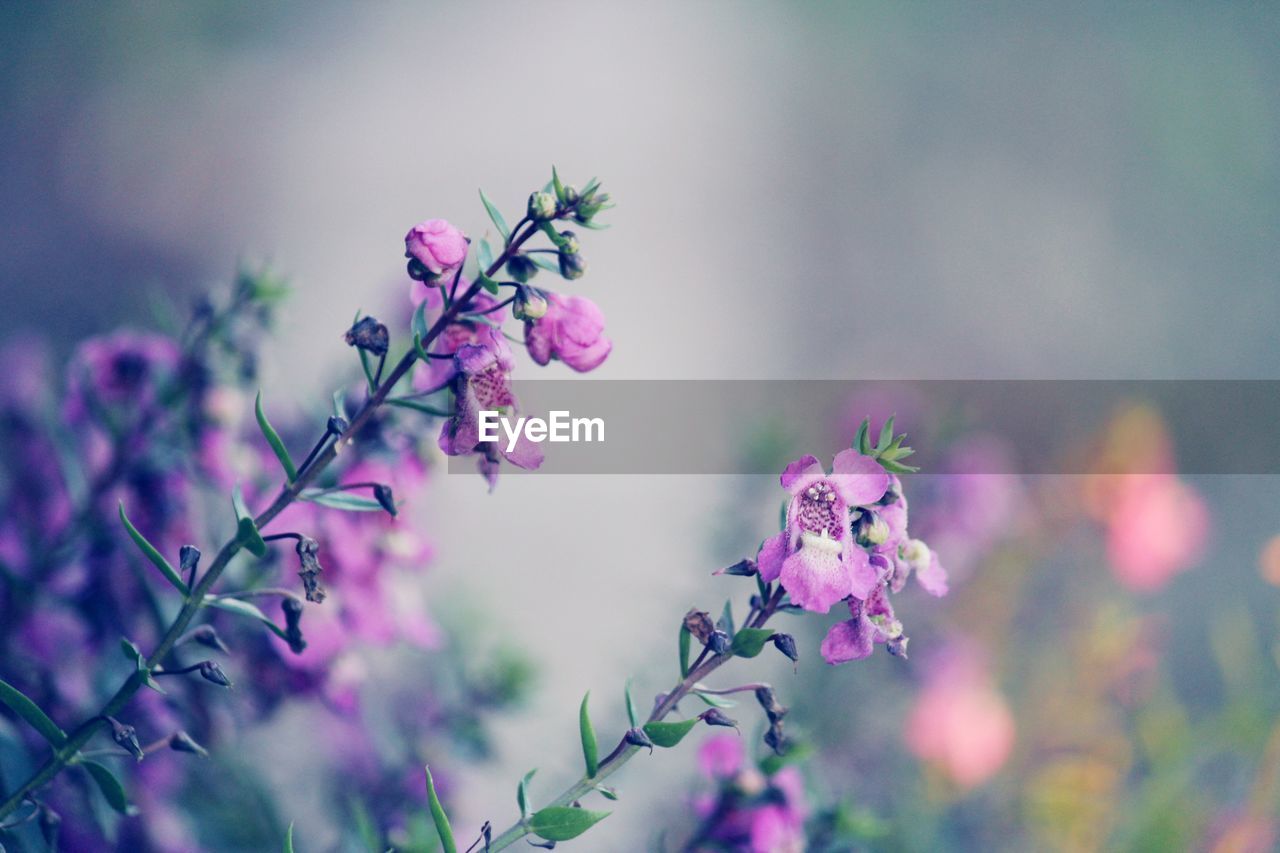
column 437, row 245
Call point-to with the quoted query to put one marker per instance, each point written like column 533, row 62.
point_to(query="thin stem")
column 623, row 752
column 503, row 304
column 319, row 459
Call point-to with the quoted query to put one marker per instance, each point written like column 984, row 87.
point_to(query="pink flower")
column 1156, row 527
column 823, row 564
column 960, row 723
column 572, row 330
column 854, row 639
column 437, row 245
column 721, row 756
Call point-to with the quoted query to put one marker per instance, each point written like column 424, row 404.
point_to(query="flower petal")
column 800, row 473
column 815, row 577
column 770, row 557
column 933, row 577
column 852, row 639
column 860, row 479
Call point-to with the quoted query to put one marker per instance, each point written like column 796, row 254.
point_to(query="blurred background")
column 822, row 190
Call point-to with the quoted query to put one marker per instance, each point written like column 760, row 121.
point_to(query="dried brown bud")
column 308, row 549
column 699, row 624
column 369, row 335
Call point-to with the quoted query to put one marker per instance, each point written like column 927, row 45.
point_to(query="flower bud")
column 188, row 558
column 521, row 268
column 570, row 194
column 417, row 271
column 382, row 494
column 438, row 248
column 786, row 644
column 293, row 625
column 572, row 266
column 720, row 642
column 742, row 568
column 542, row 206
column 207, row 636
column 369, row 335
column 775, row 739
column 210, row 671
column 871, row 530
column 637, row 737
column 716, row 717
column 915, row 554
column 529, row 305
column 699, row 624
column 897, row 646
column 183, row 742
column 569, row 243
column 126, row 736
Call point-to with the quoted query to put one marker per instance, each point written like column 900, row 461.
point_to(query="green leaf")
column 339, row 402
column 288, row 840
column 560, row 823
column 273, row 439
column 541, row 261
column 498, row 221
column 441, row 819
column 748, row 642
column 247, row 528
column 368, row 370
column 484, row 255
column 418, row 325
column 861, row 442
column 725, row 623
column 685, row 639
column 522, row 795
column 632, row 713
column 669, row 734
column 109, row 785
column 30, row 711
column 133, row 654
column 715, row 701
column 405, row 403
column 488, row 283
column 149, row 551
column 244, row 608
column 607, row 792
column 340, row 500
column 590, row 751
column 886, row 435
column 895, row 467
column 558, row 186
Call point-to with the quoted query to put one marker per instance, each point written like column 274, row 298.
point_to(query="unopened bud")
column 569, row 243
column 775, row 739
column 786, row 644
column 529, row 305
column 897, row 646
column 207, row 636
column 337, row 425
column 369, row 335
column 720, row 642
column 699, row 624
column 188, row 558
column 292, row 608
column 419, row 272
column 126, row 736
column 716, row 717
column 871, row 529
column 637, row 737
column 742, row 568
column 210, row 671
column 521, row 268
column 382, row 494
column 572, row 266
column 570, row 194
column 542, row 206
column 183, row 742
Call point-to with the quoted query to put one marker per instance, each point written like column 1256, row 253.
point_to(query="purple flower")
column 438, row 246
column 571, row 330
column 822, row 563
column 121, row 369
column 483, row 383
column 872, row 622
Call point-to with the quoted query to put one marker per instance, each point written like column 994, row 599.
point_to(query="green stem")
column 623, row 752
column 64, row 754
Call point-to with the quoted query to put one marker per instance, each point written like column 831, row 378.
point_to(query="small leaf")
column 131, row 652
column 725, row 623
column 607, row 792
column 488, row 283
column 541, row 261
column 498, row 221
column 368, row 371
column 288, row 840
column 558, row 186
column 748, row 642
column 685, row 639
column 484, row 255
column 715, row 701
column 247, row 528
column 110, row 786
column 244, row 608
column 590, row 751
column 669, row 734
column 30, row 711
column 886, row 435
column 340, row 500
column 273, row 439
column 560, row 823
column 441, row 819
column 418, row 325
column 522, row 795
column 149, row 551
column 861, row 442
column 632, row 714
column 894, row 467
column 339, row 403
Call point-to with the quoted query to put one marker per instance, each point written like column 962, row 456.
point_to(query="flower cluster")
column 757, row 809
